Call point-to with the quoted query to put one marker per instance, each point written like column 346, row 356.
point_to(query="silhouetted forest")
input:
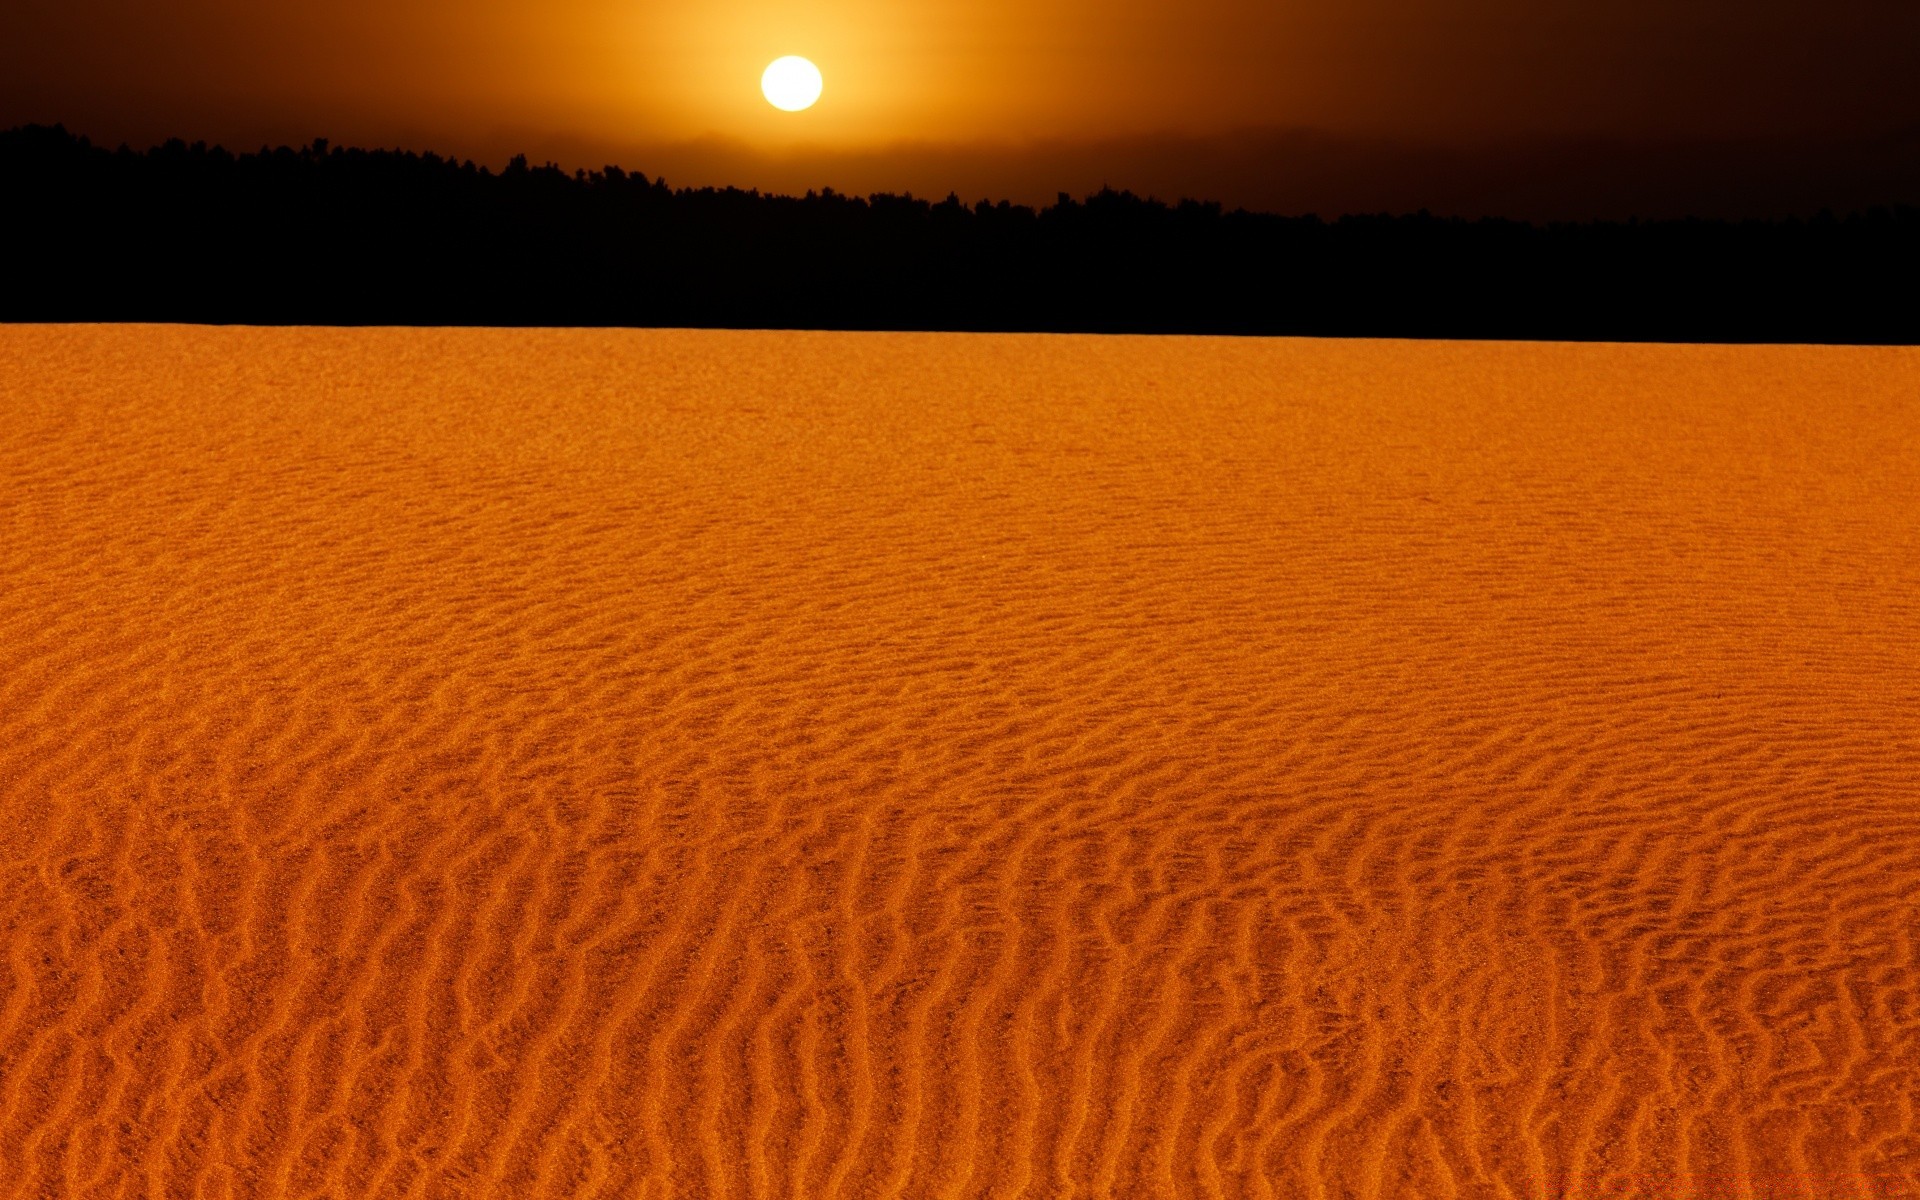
column 325, row 235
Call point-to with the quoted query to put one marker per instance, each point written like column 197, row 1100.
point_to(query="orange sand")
column 701, row 764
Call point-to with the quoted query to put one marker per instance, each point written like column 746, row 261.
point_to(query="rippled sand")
column 704, row 764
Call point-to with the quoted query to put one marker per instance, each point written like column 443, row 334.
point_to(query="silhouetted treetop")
column 330, row 234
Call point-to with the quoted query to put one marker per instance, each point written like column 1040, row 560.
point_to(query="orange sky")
column 642, row 82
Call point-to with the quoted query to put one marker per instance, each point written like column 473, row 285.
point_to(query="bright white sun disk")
column 791, row 83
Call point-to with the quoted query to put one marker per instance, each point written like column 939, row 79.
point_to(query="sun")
column 791, row 83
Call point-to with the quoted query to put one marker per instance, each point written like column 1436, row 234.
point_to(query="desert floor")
column 707, row 764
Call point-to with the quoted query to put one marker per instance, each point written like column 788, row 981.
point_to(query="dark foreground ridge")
column 332, row 236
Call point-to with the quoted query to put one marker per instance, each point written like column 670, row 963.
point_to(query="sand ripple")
column 700, row 764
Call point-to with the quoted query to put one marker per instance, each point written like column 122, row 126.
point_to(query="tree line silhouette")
column 326, row 235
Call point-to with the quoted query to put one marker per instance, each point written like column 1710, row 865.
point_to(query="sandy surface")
column 696, row 764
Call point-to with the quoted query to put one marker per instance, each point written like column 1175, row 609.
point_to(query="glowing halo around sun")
column 791, row 83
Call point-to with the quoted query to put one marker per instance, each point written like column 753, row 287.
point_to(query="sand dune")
column 704, row 764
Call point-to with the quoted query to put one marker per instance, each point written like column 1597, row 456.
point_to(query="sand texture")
column 707, row 764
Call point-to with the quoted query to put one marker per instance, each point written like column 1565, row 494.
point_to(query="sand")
column 712, row 764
